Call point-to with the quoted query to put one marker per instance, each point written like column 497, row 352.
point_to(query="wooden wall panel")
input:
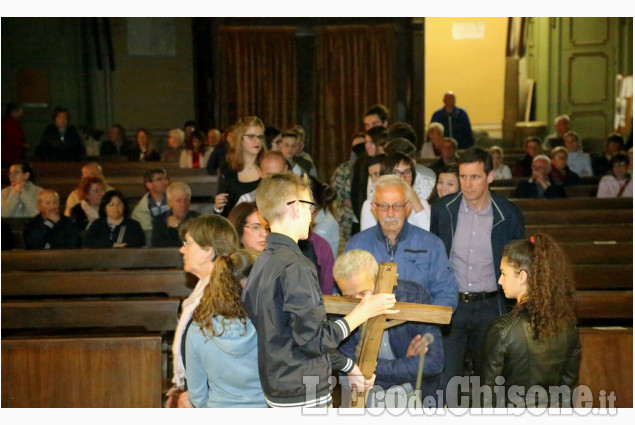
column 82, row 372
column 607, row 364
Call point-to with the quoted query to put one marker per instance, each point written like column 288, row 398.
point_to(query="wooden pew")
column 110, row 169
column 171, row 283
column 147, row 315
column 153, row 315
column 105, row 303
column 17, row 230
column 583, row 190
column 113, row 371
column 132, row 187
column 92, row 259
column 584, row 232
column 613, row 304
column 603, row 276
column 609, row 217
column 599, row 253
column 569, row 204
column 513, row 182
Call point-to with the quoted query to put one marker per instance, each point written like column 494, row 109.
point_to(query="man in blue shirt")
column 420, row 255
column 455, row 121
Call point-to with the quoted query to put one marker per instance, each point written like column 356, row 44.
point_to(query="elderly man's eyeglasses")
column 255, row 136
column 396, row 207
column 406, row 173
column 312, row 204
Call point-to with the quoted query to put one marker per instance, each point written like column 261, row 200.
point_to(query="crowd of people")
column 255, row 324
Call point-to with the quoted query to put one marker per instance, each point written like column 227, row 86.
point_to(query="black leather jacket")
column 511, row 351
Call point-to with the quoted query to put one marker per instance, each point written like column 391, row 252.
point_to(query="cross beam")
column 373, row 330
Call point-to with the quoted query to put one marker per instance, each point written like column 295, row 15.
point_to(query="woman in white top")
column 403, row 166
column 618, row 182
column 196, row 154
column 501, row 171
column 432, row 146
column 578, row 161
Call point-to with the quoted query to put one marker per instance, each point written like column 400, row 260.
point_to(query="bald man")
column 49, row 229
column 455, row 121
column 92, row 169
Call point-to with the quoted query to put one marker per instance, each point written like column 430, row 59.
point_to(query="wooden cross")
column 373, row 331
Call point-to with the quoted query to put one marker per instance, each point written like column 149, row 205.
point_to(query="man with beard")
column 420, row 255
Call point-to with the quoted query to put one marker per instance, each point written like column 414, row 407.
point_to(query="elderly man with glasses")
column 420, row 255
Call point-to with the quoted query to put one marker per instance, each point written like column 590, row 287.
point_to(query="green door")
column 587, row 57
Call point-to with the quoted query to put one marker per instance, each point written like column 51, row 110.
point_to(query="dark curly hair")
column 222, row 296
column 550, row 298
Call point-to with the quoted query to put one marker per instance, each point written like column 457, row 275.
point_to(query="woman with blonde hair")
column 221, row 345
column 204, row 239
column 241, row 174
column 537, row 343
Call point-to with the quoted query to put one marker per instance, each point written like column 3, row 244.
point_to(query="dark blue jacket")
column 456, row 124
column 508, row 223
column 404, row 369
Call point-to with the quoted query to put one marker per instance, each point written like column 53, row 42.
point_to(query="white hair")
column 178, row 133
column 562, row 117
column 178, row 186
column 543, row 157
column 438, row 126
column 353, row 262
column 390, row 180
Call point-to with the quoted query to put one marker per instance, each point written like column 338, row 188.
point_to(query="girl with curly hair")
column 221, row 345
column 537, row 343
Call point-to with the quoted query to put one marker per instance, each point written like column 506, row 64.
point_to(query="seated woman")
column 560, row 172
column 144, row 148
column 537, row 343
column 196, row 154
column 447, row 182
column 403, row 166
column 113, row 228
column 251, row 227
column 91, row 191
column 221, row 344
column 172, row 152
column 618, row 183
column 501, row 171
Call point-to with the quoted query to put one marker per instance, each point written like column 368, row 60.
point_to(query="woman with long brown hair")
column 537, row 343
column 221, row 345
column 204, row 239
column 241, row 174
